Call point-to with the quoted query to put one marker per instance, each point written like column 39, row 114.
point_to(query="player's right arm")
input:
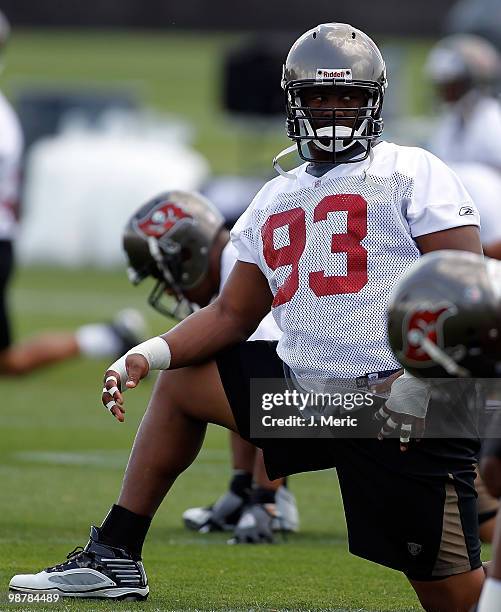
column 244, row 301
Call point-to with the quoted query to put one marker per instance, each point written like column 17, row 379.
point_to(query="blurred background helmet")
column 467, row 60
column 444, row 318
column 334, row 55
column 170, row 238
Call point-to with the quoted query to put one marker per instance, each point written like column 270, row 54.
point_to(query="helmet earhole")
column 314, row 34
column 353, row 35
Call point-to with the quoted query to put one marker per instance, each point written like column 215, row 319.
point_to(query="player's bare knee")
column 445, row 603
column 169, row 393
column 457, row 593
column 189, row 392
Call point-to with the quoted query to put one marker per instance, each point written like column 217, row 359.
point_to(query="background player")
column 95, row 340
column 394, row 204
column 466, row 72
column 179, row 239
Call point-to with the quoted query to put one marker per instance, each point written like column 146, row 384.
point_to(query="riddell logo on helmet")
column 162, row 218
column 342, row 74
column 421, row 325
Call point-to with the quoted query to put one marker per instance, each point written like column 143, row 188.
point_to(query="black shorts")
column 415, row 512
column 6, row 264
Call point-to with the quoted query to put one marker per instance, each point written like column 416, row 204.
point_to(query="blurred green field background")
column 180, row 73
column 62, row 456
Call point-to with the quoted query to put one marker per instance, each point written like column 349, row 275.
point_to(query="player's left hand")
column 408, row 427
column 405, row 410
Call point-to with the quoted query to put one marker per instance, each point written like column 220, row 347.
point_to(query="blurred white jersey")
column 332, row 249
column 477, row 138
column 268, row 329
column 11, row 147
column 483, row 183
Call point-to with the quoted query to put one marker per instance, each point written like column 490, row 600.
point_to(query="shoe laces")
column 69, row 557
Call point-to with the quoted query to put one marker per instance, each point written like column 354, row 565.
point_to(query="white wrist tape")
column 490, row 598
column 156, row 352
column 409, row 395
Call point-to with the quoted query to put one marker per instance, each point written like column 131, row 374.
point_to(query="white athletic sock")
column 97, row 340
column 490, row 598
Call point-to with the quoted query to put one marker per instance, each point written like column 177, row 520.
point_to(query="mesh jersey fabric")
column 332, row 249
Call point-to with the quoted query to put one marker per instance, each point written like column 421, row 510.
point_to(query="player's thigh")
column 453, row 594
column 423, row 516
column 195, row 392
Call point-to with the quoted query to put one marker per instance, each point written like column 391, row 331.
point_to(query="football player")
column 445, row 320
column 95, row 340
column 180, row 240
column 323, row 247
column 483, row 183
column 466, row 72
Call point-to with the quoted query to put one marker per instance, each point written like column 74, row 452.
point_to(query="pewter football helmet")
column 334, row 55
column 444, row 318
column 169, row 238
column 464, row 58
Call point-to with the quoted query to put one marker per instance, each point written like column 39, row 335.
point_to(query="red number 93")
column 349, row 242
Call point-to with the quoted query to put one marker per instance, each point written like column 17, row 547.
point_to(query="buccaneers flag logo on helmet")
column 420, row 324
column 162, row 219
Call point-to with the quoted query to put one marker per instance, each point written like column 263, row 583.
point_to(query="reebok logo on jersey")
column 342, row 74
column 466, row 210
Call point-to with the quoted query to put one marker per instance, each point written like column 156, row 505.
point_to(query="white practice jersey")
column 11, row 146
column 268, row 329
column 333, row 248
column 475, row 139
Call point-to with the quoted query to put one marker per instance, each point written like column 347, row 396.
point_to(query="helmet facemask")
column 166, row 297
column 330, row 134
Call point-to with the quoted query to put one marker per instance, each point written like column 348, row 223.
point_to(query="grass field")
column 61, row 463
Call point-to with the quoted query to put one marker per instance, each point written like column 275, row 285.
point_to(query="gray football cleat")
column 98, row 571
column 223, row 515
column 287, row 518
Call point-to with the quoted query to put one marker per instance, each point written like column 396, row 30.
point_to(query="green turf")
column 61, row 462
